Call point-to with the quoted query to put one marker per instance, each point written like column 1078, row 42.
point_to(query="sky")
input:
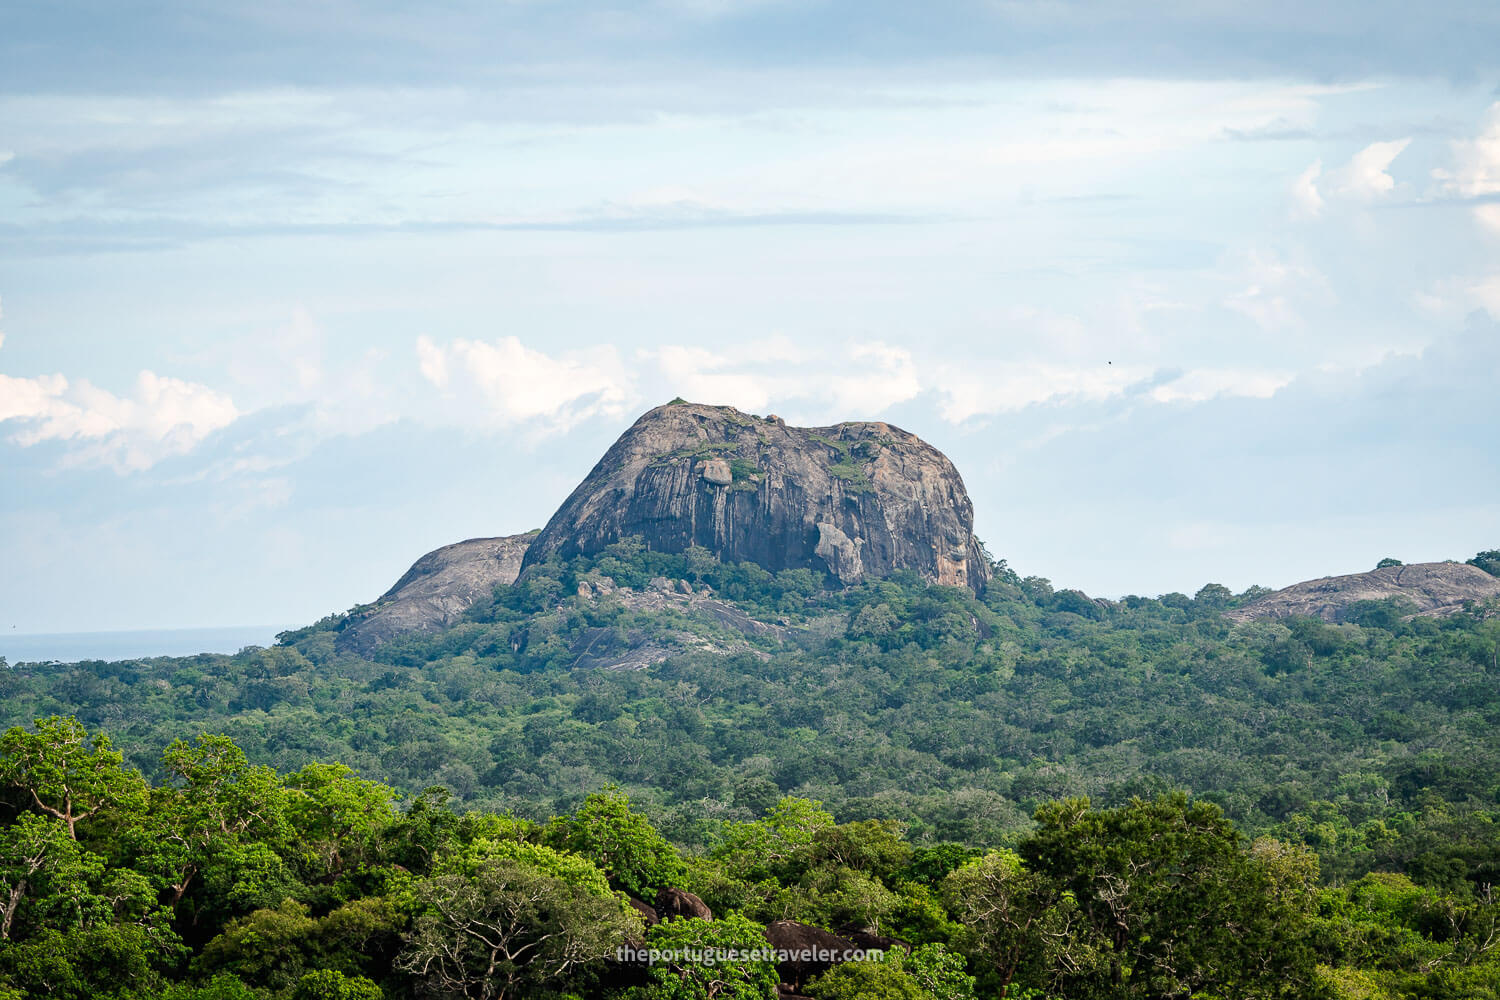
column 292, row 293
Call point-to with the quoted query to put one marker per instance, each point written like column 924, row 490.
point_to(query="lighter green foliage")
column 689, row 980
column 68, row 773
column 622, row 842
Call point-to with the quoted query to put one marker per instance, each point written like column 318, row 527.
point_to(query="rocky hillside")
column 437, row 590
column 857, row 499
column 1429, row 588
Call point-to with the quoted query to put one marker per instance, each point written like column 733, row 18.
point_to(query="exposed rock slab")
column 1431, row 588
column 438, row 589
column 856, row 499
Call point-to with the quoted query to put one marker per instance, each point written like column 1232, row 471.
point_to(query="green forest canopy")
column 960, row 721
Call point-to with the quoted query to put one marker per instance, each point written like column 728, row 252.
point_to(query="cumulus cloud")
column 1306, row 201
column 514, row 384
column 1476, row 162
column 1476, row 171
column 1273, row 287
column 984, row 390
column 1365, row 177
column 971, row 391
column 857, row 377
column 161, row 418
column 1488, row 217
column 1203, row 384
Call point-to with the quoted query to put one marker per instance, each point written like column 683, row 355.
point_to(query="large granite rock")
column 1429, row 588
column 856, row 499
column 438, row 589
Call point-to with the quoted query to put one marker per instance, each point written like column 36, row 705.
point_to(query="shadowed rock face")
column 1431, row 588
column 810, row 950
column 438, row 589
column 857, row 499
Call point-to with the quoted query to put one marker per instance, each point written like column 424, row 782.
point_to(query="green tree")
column 338, row 816
column 218, row 829
column 326, row 984
column 622, row 842
column 1014, row 919
column 867, row 981
column 36, row 855
column 1214, row 595
column 68, row 773
column 1489, row 561
column 509, row 928
column 1172, row 901
column 940, row 972
column 726, row 958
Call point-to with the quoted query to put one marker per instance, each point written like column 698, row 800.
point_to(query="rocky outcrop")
column 1429, row 589
column 856, row 500
column 437, row 590
column 644, row 910
column 807, row 950
column 681, row 903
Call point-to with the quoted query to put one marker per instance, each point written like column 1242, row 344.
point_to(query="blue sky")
column 293, row 293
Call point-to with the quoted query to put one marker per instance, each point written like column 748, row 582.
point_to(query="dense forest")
column 1039, row 793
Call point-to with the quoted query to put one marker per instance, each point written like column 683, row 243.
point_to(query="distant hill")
column 1424, row 588
column 854, row 501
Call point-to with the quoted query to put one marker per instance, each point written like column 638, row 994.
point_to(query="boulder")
column 647, row 912
column 716, row 472
column 681, row 903
column 806, row 950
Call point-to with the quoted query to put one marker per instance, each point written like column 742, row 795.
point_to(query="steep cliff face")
column 857, row 499
column 438, row 589
column 1429, row 588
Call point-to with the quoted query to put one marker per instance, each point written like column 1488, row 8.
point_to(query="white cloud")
column 1476, row 162
column 982, row 390
column 856, row 378
column 164, row 417
column 985, row 390
column 339, row 387
column 432, row 362
column 1365, row 176
column 1208, row 383
column 1488, row 217
column 515, row 384
column 1274, row 287
column 1306, row 201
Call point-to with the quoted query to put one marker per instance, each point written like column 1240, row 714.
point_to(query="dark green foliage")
column 1171, row 902
column 930, row 723
column 228, row 881
column 1489, row 561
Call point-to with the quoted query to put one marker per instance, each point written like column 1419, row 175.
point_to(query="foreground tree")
column 509, row 928
column 68, row 773
column 1174, row 903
